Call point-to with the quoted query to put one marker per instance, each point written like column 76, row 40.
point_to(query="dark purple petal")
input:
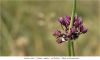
column 81, row 27
column 76, row 23
column 61, row 20
column 73, row 30
column 57, row 33
column 67, row 20
column 84, row 30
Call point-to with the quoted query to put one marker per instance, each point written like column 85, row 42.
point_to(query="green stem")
column 73, row 52
column 69, row 48
column 70, row 44
column 73, row 14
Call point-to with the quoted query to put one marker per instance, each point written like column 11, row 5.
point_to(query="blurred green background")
column 26, row 27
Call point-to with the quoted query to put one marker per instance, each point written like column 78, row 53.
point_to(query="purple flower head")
column 76, row 29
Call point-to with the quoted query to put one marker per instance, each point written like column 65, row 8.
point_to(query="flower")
column 57, row 33
column 83, row 29
column 59, row 36
column 74, row 32
column 61, row 20
column 64, row 21
column 77, row 21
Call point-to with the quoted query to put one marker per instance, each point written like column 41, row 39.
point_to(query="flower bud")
column 83, row 29
column 61, row 20
column 57, row 33
column 73, row 30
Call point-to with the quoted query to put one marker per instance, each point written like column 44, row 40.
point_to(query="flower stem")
column 71, row 44
column 69, row 48
column 73, row 14
column 73, row 52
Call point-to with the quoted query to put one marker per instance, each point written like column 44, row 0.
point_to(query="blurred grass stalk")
column 9, row 41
